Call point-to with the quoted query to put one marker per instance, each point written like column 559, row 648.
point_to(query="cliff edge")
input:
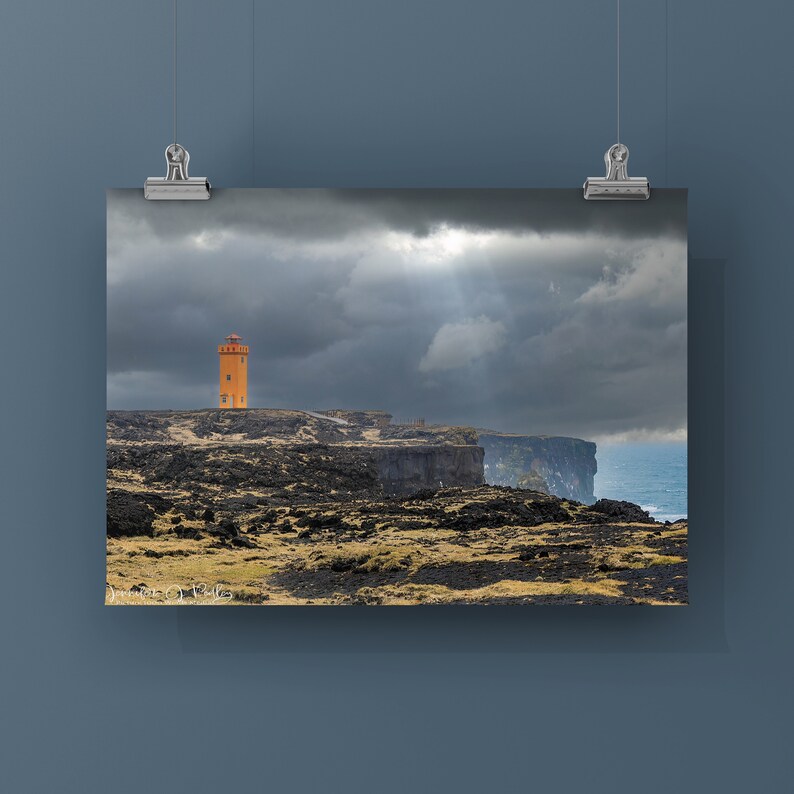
column 567, row 466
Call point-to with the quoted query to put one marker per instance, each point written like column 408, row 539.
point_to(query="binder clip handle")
column 617, row 184
column 177, row 184
column 616, row 159
column 176, row 158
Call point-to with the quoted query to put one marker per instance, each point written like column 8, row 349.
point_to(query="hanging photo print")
column 396, row 397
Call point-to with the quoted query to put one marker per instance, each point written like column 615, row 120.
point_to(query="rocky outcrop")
column 304, row 455
column 296, row 469
column 435, row 434
column 256, row 424
column 567, row 466
column 405, row 470
column 622, row 511
column 301, row 471
column 128, row 514
column 136, row 426
column 360, row 418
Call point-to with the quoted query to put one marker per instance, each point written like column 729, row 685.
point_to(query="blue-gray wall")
column 394, row 93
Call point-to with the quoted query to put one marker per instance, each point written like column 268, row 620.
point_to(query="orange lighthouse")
column 234, row 373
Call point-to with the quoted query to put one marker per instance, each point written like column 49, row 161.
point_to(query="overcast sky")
column 527, row 311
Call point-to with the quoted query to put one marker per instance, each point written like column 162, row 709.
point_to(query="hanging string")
column 175, row 29
column 618, row 69
column 253, row 92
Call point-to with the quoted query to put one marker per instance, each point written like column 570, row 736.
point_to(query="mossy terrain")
column 454, row 546
column 198, row 520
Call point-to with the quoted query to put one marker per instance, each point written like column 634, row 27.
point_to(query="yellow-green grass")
column 247, row 575
column 404, row 594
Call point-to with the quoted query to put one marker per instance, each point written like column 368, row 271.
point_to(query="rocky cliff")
column 293, row 455
column 567, row 466
column 405, row 470
column 313, row 455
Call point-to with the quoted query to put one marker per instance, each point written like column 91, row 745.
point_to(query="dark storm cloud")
column 540, row 211
column 322, row 213
column 527, row 311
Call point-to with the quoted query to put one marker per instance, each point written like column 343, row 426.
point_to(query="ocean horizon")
column 652, row 475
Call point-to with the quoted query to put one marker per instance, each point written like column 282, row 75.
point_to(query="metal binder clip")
column 176, row 184
column 617, row 184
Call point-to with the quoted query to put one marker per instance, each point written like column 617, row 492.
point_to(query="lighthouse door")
column 231, row 401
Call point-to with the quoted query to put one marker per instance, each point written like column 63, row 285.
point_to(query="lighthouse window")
column 228, row 377
column 242, row 400
column 242, row 359
column 223, row 399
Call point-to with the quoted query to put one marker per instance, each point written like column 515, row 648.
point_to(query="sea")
column 653, row 476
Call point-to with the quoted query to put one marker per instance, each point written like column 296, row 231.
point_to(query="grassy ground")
column 277, row 507
column 401, row 552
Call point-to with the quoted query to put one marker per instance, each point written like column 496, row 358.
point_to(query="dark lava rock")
column 470, row 575
column 422, row 495
column 226, row 529
column 313, row 468
column 136, row 426
column 230, row 528
column 128, row 514
column 506, row 512
column 176, row 520
column 238, row 503
column 158, row 503
column 254, row 424
column 208, row 515
column 622, row 511
column 320, row 522
column 188, row 533
column 244, row 543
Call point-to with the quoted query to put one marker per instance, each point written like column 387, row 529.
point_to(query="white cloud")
column 443, row 244
column 644, row 435
column 654, row 275
column 457, row 345
column 208, row 240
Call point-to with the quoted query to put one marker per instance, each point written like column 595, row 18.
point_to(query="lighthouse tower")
column 234, row 373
